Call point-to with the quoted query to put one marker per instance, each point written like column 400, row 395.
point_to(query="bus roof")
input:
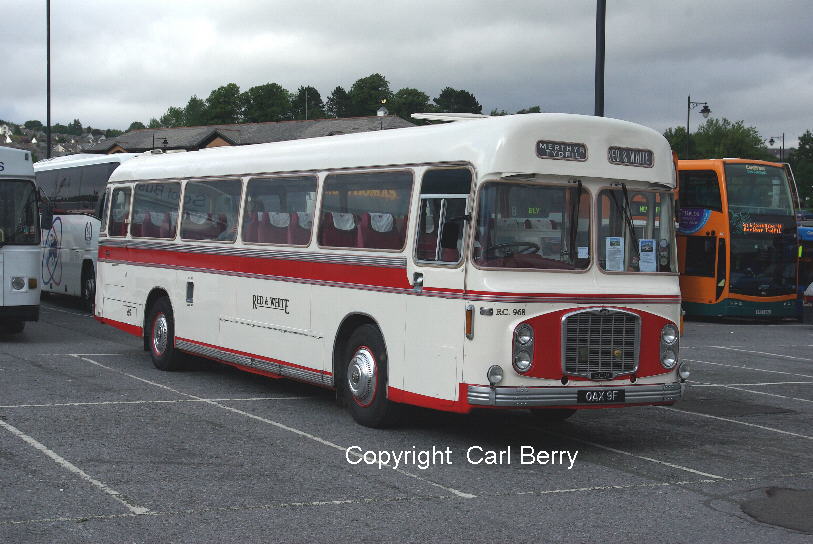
column 15, row 163
column 81, row 159
column 700, row 163
column 495, row 146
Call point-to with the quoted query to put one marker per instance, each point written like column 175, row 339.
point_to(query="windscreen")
column 19, row 214
column 763, row 230
column 533, row 226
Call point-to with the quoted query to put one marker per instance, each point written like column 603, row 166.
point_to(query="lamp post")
column 705, row 111
column 781, row 149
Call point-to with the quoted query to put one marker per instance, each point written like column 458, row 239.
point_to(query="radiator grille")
column 601, row 344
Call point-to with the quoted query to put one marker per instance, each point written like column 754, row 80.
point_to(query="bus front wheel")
column 365, row 379
column 161, row 336
column 12, row 326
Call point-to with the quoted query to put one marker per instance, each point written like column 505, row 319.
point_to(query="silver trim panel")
column 519, row 397
column 279, row 369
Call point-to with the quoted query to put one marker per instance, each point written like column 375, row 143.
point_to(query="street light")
column 705, row 111
column 781, row 149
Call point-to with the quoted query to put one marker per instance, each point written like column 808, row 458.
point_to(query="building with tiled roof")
column 194, row 138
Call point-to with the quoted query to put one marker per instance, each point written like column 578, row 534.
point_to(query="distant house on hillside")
column 194, row 138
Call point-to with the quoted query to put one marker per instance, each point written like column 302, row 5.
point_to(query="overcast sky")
column 117, row 62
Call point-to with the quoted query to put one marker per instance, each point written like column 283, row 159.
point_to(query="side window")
column 700, row 256
column 210, row 210
column 700, row 189
column 442, row 215
column 155, row 210
column 119, row 212
column 365, row 210
column 279, row 210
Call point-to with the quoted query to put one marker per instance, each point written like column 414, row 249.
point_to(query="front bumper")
column 525, row 397
column 20, row 313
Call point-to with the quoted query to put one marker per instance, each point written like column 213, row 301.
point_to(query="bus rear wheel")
column 161, row 336
column 365, row 379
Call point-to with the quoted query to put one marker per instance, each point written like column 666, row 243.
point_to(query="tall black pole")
column 601, row 10
column 48, row 79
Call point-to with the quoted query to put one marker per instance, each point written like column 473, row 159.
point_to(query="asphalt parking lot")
column 96, row 445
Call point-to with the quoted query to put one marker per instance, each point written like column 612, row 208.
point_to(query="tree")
column 154, row 123
column 195, row 112
column 269, row 102
column 223, row 105
column 407, row 101
column 310, row 96
column 457, row 101
column 719, row 138
column 498, row 112
column 368, row 93
column 338, row 103
column 75, row 128
column 532, row 109
column 33, row 125
column 801, row 161
column 136, row 125
column 112, row 133
column 174, row 117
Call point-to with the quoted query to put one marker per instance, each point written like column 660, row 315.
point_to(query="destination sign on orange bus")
column 772, row 228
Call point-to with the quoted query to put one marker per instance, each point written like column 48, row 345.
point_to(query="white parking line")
column 698, row 384
column 60, row 310
column 766, row 393
column 114, row 402
column 73, row 468
column 750, row 368
column 622, row 452
column 279, row 425
column 699, row 414
column 421, row 498
column 762, row 353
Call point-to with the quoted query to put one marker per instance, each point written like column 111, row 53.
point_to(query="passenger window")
column 443, row 214
column 279, row 210
column 119, row 212
column 365, row 210
column 700, row 189
column 155, row 210
column 210, row 210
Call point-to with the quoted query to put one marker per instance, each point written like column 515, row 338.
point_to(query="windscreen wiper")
column 625, row 211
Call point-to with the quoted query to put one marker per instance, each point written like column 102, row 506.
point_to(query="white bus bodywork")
column 70, row 244
column 19, row 241
column 420, row 309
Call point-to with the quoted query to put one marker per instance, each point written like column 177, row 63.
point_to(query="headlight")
column 522, row 361
column 669, row 358
column 494, row 374
column 669, row 334
column 17, row 283
column 683, row 371
column 524, row 334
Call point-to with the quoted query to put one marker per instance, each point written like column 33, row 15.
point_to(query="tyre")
column 88, row 287
column 552, row 415
column 365, row 379
column 12, row 326
column 161, row 336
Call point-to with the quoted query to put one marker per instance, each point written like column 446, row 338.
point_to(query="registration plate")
column 586, row 396
column 763, row 312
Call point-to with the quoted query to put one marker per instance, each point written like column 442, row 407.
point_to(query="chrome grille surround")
column 600, row 343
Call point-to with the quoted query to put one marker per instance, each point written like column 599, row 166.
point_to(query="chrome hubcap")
column 361, row 376
column 160, row 333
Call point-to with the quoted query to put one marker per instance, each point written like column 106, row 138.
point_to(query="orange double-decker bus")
column 737, row 244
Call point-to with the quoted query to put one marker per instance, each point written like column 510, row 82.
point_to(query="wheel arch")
column 155, row 294
column 349, row 324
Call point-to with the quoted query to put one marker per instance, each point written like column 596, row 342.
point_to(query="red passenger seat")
column 338, row 230
column 378, row 231
column 299, row 231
